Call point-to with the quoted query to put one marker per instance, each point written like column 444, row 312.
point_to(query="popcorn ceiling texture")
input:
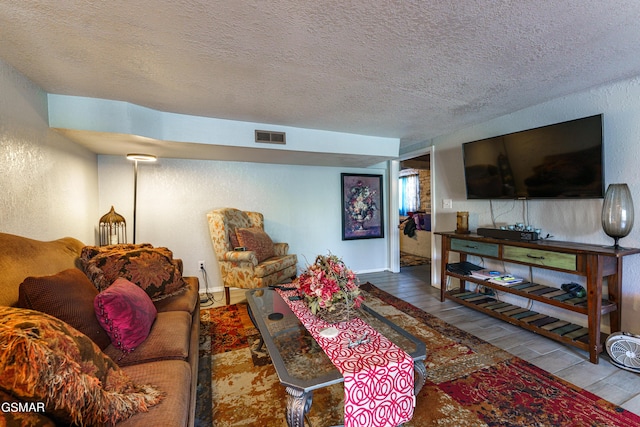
column 403, row 69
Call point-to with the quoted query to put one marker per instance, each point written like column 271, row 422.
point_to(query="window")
column 409, row 191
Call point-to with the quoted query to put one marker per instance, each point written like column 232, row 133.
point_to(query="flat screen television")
column 559, row 161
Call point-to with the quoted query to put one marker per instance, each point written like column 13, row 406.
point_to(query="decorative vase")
column 358, row 225
column 617, row 212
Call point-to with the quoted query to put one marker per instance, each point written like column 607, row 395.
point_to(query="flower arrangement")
column 360, row 206
column 330, row 289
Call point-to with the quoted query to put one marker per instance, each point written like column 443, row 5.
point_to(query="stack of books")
column 506, row 280
column 497, row 277
column 485, row 274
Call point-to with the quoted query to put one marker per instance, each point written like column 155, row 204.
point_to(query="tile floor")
column 604, row 379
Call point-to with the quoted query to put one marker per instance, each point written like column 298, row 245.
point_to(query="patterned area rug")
column 410, row 260
column 469, row 381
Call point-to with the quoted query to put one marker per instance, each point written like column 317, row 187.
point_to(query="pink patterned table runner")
column 378, row 375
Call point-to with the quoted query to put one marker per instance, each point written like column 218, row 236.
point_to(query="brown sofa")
column 167, row 359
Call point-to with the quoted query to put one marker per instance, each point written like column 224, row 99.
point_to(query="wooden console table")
column 593, row 263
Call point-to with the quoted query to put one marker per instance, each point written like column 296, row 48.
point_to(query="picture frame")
column 362, row 206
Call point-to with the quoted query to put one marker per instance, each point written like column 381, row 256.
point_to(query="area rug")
column 469, row 381
column 411, row 260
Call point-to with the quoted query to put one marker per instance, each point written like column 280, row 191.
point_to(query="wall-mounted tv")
column 559, row 161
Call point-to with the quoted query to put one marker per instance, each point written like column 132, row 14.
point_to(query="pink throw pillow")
column 255, row 239
column 126, row 313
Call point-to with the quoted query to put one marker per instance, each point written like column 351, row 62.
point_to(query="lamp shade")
column 139, row 157
column 617, row 212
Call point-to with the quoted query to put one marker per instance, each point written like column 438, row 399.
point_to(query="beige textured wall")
column 48, row 185
column 301, row 205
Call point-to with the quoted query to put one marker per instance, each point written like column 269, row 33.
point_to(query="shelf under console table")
column 592, row 262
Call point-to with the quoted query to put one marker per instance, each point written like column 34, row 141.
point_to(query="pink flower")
column 328, row 281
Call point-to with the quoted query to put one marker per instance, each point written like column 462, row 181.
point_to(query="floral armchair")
column 247, row 256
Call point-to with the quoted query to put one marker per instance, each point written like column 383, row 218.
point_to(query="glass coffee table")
column 301, row 364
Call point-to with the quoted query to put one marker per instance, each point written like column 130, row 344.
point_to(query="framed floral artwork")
column 362, row 210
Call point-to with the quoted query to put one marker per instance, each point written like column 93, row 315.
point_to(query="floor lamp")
column 136, row 157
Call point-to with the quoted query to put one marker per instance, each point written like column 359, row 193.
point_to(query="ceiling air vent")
column 270, row 137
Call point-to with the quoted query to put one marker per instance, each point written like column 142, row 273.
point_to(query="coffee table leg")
column 298, row 404
column 421, row 376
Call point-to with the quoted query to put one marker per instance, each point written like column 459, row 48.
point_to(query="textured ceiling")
column 408, row 69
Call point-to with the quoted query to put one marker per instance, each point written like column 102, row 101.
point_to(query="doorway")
column 414, row 193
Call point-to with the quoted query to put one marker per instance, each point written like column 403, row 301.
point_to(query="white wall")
column 47, row 184
column 566, row 220
column 301, row 205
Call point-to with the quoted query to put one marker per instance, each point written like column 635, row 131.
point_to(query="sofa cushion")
column 255, row 239
column 173, row 376
column 44, row 359
column 168, row 339
column 21, row 257
column 68, row 296
column 186, row 301
column 89, row 252
column 126, row 313
column 153, row 269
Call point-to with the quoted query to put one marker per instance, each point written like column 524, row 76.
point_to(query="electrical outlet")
column 447, row 204
column 201, row 265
